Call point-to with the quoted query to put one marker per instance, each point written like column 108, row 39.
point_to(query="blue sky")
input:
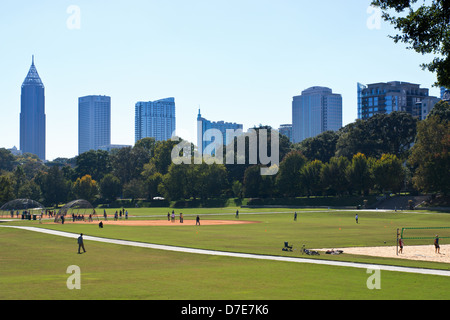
column 239, row 61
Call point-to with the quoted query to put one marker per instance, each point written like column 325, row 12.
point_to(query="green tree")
column 6, row 189
column 86, row 188
column 310, row 177
column 148, row 144
column 54, row 186
column 152, row 183
column 425, row 28
column 134, row 189
column 442, row 110
column 29, row 190
column 95, row 163
column 321, row 147
column 388, row 173
column 162, row 158
column 128, row 163
column 252, row 181
column 217, row 180
column 174, row 182
column 19, row 179
column 110, row 187
column 359, row 174
column 333, row 176
column 288, row 177
column 430, row 156
column 383, row 133
column 237, row 189
column 6, row 160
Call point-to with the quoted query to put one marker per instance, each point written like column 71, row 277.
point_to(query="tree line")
column 385, row 153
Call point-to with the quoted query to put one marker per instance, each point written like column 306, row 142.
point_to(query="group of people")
column 171, row 217
column 119, row 215
column 80, row 217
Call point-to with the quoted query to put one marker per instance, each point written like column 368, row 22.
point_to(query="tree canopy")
column 425, row 28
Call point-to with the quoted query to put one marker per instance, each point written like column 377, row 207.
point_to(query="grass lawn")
column 33, row 265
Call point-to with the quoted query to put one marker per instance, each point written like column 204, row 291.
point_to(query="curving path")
column 237, row 255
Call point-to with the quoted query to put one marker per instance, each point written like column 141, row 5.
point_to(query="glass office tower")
column 380, row 98
column 155, row 119
column 32, row 114
column 316, row 110
column 94, row 122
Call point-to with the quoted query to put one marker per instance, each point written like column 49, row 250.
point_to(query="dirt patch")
column 177, row 223
column 423, row 253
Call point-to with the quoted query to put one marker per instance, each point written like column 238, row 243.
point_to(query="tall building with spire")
column 32, row 114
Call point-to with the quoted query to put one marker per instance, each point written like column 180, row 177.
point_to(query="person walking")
column 81, row 243
column 197, row 221
column 356, row 218
column 295, row 216
column 181, row 217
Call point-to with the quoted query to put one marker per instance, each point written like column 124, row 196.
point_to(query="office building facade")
column 94, row 122
column 155, row 119
column 204, row 138
column 32, row 114
column 424, row 106
column 445, row 94
column 316, row 110
column 286, row 130
column 384, row 98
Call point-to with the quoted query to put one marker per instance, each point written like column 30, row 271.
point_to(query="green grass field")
column 33, row 265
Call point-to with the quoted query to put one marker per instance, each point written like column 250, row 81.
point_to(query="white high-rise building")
column 316, row 110
column 94, row 122
column 155, row 119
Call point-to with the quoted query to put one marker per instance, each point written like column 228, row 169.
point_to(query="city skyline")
column 234, row 60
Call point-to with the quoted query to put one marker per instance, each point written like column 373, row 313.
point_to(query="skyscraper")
column 204, row 137
column 94, row 122
column 32, row 114
column 380, row 98
column 155, row 119
column 316, row 110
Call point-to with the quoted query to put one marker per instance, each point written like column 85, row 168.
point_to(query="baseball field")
column 34, row 265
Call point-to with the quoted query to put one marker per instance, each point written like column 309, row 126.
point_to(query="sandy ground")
column 124, row 222
column 425, row 253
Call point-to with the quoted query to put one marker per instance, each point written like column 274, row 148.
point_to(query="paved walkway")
column 238, row 255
